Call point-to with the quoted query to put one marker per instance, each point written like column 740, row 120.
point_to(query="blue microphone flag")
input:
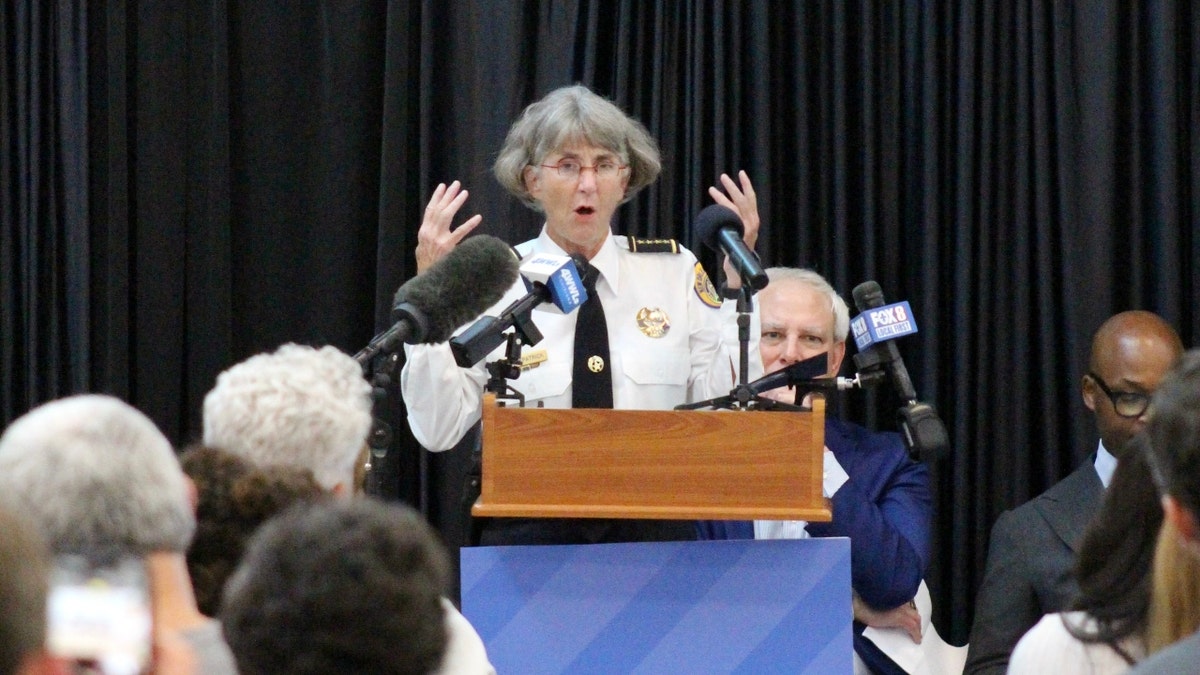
column 882, row 324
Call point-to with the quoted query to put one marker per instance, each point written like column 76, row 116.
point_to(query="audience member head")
column 1116, row 554
column 24, row 576
column 802, row 316
column 1174, row 431
column 1175, row 600
column 340, row 586
column 94, row 474
column 298, row 406
column 234, row 498
column 568, row 116
column 1131, row 352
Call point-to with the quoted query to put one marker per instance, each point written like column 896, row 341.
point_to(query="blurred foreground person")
column 310, row 409
column 1104, row 633
column 1174, row 430
column 339, row 587
column 233, row 498
column 102, row 484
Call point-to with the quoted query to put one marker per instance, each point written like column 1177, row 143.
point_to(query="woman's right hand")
column 435, row 238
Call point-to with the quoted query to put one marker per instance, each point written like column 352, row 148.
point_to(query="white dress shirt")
column 1105, row 465
column 668, row 345
column 1049, row 648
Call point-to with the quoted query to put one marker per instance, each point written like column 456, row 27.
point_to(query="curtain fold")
column 184, row 185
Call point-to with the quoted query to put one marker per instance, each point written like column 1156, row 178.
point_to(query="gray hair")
column 574, row 114
column 841, row 311
column 299, row 406
column 94, row 474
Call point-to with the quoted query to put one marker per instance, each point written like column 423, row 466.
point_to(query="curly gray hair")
column 298, row 406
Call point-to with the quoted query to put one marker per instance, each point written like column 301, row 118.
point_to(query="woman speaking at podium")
column 653, row 333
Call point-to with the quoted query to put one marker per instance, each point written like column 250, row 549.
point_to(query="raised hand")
column 742, row 201
column 436, row 237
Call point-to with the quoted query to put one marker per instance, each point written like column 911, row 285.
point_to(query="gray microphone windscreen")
column 470, row 279
column 867, row 295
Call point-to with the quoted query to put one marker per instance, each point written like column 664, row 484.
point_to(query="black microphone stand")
column 922, row 429
column 500, row 371
column 379, row 368
column 743, row 396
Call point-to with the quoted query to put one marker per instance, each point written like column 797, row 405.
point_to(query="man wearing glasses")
column 1031, row 556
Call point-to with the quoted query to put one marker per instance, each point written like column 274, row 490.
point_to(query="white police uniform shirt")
column 671, row 340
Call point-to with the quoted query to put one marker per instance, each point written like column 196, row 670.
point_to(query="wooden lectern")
column 687, row 465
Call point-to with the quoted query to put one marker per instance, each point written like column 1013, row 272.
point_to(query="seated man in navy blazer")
column 1031, row 556
column 880, row 498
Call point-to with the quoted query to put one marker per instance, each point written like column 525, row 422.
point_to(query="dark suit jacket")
column 1030, row 567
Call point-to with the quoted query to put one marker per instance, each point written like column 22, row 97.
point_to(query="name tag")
column 532, row 359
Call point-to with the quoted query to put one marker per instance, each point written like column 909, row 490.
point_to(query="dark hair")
column 343, row 586
column 233, row 499
column 1117, row 553
column 1174, row 431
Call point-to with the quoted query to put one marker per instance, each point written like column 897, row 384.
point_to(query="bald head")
column 1131, row 352
column 1136, row 335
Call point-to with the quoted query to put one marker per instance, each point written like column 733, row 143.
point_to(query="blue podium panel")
column 775, row 606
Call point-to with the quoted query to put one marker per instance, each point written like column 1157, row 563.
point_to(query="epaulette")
column 639, row 245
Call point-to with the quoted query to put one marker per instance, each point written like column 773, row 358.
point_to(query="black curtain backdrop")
column 185, row 184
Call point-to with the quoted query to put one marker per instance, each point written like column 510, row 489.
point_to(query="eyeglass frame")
column 558, row 168
column 1112, row 397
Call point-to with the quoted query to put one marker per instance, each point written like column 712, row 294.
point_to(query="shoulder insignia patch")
column 704, row 287
column 638, row 245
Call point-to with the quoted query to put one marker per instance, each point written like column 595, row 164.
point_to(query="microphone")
column 874, row 329
column 556, row 279
column 721, row 230
column 552, row 280
column 812, row 367
column 428, row 307
column 808, row 375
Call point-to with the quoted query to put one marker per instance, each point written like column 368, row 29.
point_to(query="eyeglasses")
column 571, row 169
column 1126, row 403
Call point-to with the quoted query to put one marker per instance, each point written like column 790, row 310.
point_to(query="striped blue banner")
column 776, row 606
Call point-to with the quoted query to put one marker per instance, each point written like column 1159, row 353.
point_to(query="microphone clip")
column 508, row 368
column 924, row 433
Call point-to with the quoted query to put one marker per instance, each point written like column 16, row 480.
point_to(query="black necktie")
column 591, row 385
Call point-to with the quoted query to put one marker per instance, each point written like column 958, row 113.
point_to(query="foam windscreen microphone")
column 457, row 288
